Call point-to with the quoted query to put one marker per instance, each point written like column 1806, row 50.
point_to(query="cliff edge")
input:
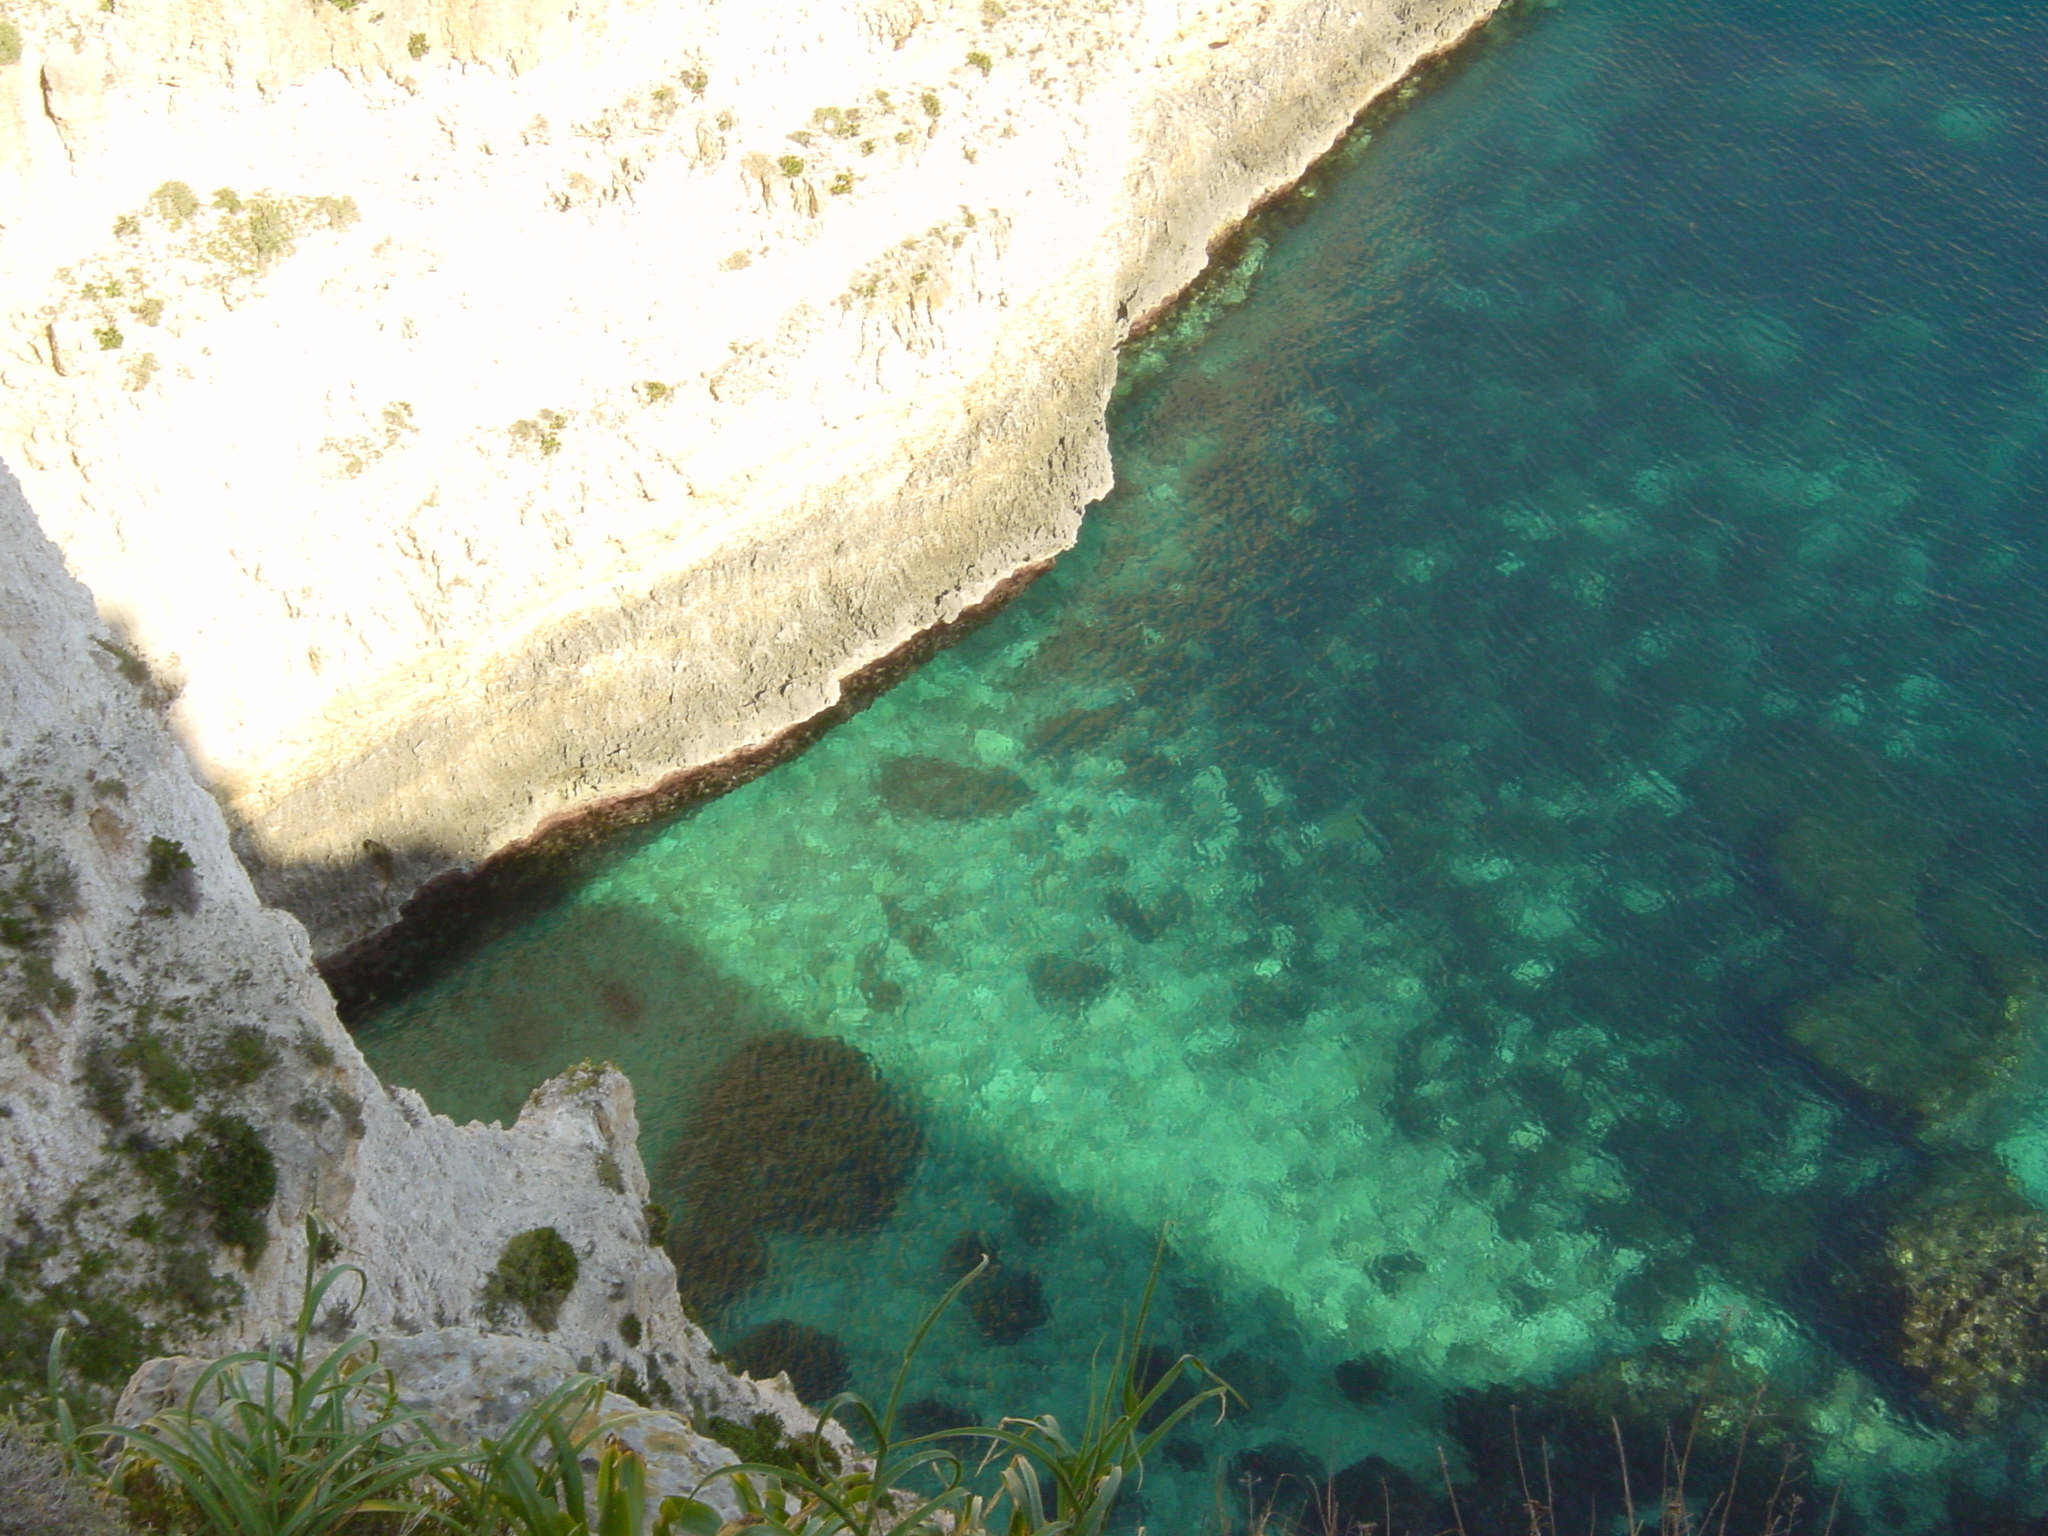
column 179, row 1107
column 470, row 411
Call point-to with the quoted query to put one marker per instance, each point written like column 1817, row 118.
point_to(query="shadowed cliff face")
column 180, row 1101
column 530, row 403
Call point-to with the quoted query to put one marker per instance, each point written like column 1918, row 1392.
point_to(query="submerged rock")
column 790, row 1134
column 814, row 1360
column 1145, row 924
column 1063, row 983
column 1378, row 1496
column 1035, row 1216
column 1261, row 1383
column 799, row 1133
column 1963, row 1273
column 939, row 789
column 1362, row 1380
column 932, row 1416
column 1075, row 731
column 1006, row 1304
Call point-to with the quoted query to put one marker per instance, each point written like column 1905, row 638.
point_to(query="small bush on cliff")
column 234, row 1179
column 537, row 1271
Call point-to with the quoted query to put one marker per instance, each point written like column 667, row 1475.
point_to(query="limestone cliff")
column 177, row 1098
column 468, row 409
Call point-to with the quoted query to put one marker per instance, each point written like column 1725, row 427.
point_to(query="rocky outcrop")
column 181, row 1115
column 469, row 412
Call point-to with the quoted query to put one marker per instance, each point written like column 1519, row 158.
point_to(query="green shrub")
column 790, row 165
column 167, row 860
column 537, row 1271
column 10, row 43
column 234, row 1179
column 980, row 61
column 416, row 45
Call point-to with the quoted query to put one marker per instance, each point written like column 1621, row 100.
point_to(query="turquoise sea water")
column 1519, row 832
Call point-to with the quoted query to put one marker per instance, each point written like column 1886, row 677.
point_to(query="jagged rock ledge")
column 180, row 1108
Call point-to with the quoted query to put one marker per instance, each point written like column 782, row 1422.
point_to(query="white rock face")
column 177, row 1097
column 474, row 410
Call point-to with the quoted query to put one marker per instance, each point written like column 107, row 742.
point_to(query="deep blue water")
column 1518, row 831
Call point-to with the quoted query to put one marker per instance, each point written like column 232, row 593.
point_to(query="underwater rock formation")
column 1145, row 924
column 940, row 789
column 718, row 1256
column 1606, row 1438
column 815, row 1361
column 1262, row 1384
column 1058, row 981
column 1006, row 1304
column 1035, row 1216
column 1376, row 1495
column 789, row 1134
column 1963, row 1272
column 1923, row 1015
column 1362, row 1380
column 932, row 1416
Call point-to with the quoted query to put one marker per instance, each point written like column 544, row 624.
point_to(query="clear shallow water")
column 1518, row 830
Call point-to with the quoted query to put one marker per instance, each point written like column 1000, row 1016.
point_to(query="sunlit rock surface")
column 471, row 412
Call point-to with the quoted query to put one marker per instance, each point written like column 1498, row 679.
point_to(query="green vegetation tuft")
column 981, row 61
column 243, row 1055
column 108, row 336
column 10, row 43
column 542, row 433
column 167, row 860
column 416, row 45
column 790, row 165
column 174, row 202
column 761, row 1441
column 536, row 1272
column 234, row 1180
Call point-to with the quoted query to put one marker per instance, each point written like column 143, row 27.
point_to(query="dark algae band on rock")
column 1515, row 831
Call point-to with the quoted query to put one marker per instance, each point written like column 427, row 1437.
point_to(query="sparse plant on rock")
column 536, row 1272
